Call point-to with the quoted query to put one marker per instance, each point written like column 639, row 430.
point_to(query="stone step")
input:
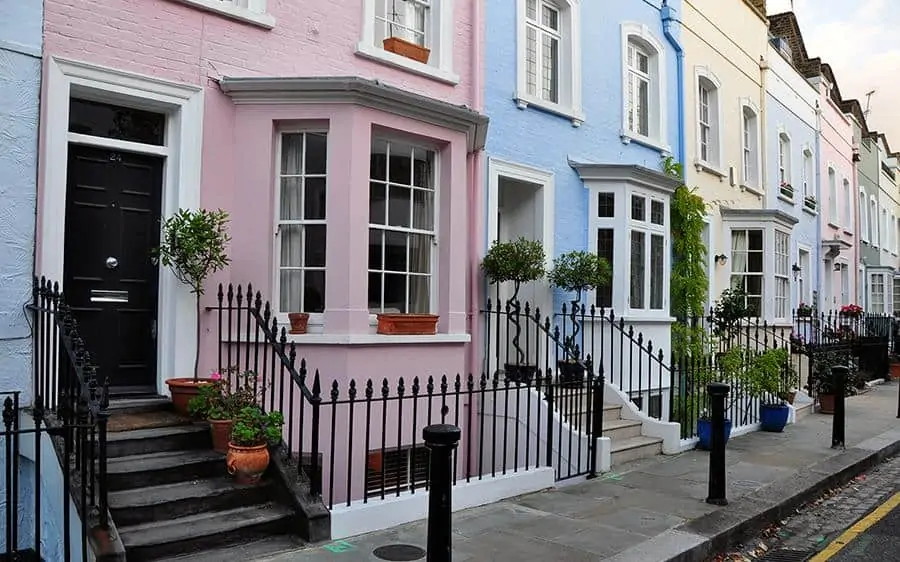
column 635, row 448
column 160, row 439
column 263, row 549
column 170, row 501
column 140, row 471
column 620, row 430
column 139, row 405
column 195, row 533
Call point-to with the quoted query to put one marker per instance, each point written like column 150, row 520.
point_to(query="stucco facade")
column 552, row 153
column 241, row 90
column 868, row 172
column 791, row 129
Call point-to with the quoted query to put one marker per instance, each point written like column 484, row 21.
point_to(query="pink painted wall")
column 837, row 148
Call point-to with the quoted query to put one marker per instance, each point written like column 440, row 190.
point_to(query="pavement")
column 653, row 510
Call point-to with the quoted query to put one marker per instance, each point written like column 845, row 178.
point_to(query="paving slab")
column 653, row 510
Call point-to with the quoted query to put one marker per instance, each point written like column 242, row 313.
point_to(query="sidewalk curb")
column 696, row 540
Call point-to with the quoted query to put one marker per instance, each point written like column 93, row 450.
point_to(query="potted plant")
column 894, row 366
column 764, row 381
column 406, row 324
column 518, row 261
column 219, row 401
column 576, row 272
column 252, row 434
column 804, row 310
column 299, row 322
column 810, row 202
column 729, row 311
column 851, row 311
column 402, row 47
column 787, row 190
column 193, row 245
column 821, row 378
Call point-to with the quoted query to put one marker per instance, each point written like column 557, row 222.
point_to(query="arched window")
column 643, row 85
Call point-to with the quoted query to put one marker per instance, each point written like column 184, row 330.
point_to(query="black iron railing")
column 71, row 403
column 359, row 439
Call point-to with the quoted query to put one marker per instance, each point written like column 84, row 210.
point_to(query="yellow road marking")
column 857, row 529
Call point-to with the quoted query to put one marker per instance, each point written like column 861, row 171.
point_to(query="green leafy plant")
column 518, row 261
column 253, row 427
column 193, row 245
column 221, row 400
column 767, row 373
column 579, row 271
column 730, row 309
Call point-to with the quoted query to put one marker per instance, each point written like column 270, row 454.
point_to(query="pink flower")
column 215, row 376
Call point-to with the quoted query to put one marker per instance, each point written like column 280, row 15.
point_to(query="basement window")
column 407, row 467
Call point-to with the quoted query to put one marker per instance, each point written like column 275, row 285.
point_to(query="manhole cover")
column 399, row 552
column 786, row 555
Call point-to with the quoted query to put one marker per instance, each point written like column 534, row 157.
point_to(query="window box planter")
column 571, row 374
column 810, row 203
column 299, row 322
column 787, row 190
column 520, row 374
column 407, row 49
column 407, row 324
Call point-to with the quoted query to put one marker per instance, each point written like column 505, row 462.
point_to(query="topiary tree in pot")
column 193, row 245
column 518, row 261
column 576, row 272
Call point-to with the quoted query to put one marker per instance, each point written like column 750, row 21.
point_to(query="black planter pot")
column 570, row 374
column 522, row 374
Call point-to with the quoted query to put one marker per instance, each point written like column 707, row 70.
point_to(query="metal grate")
column 786, row 555
column 399, row 553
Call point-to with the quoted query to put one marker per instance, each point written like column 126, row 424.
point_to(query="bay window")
column 301, row 223
column 647, row 253
column 401, row 227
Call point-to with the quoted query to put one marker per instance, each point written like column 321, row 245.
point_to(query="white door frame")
column 183, row 106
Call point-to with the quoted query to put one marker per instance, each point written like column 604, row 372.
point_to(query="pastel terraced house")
column 344, row 141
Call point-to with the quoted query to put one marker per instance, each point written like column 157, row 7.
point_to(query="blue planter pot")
column 773, row 417
column 704, row 432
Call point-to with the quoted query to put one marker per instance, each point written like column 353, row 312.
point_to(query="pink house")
column 838, row 197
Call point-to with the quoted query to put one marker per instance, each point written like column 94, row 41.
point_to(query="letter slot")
column 102, row 295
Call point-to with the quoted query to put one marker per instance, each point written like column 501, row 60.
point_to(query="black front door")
column 113, row 205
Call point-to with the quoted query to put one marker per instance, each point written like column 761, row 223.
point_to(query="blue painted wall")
column 21, row 25
column 536, row 138
column 806, row 230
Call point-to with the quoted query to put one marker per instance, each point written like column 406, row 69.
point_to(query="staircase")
column 171, row 498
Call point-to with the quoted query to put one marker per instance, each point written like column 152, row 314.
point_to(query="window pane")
column 375, row 291
column 314, row 201
column 377, row 203
column 400, row 164
column 376, row 249
column 291, row 198
column 314, row 292
column 315, row 153
column 419, row 294
column 290, row 290
column 291, row 154
column 605, row 249
column 637, row 208
column 395, row 251
column 606, row 205
column 423, row 168
column 550, row 17
column 657, row 276
column 420, row 253
column 657, row 212
column 637, row 269
column 423, row 210
column 531, row 60
column 291, row 245
column 378, row 160
column 550, row 68
column 116, row 122
column 399, row 206
column 394, row 292
column 315, row 245
column 644, row 108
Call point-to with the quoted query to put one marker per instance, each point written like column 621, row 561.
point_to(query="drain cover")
column 399, row 552
column 786, row 555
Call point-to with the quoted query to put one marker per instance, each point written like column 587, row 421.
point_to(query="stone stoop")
column 171, row 498
column 627, row 440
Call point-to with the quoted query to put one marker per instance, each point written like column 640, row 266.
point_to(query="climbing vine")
column 690, row 283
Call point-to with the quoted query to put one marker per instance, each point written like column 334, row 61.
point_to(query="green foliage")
column 731, row 308
column 253, row 427
column 519, row 261
column 221, row 400
column 194, row 245
column 578, row 271
column 690, row 283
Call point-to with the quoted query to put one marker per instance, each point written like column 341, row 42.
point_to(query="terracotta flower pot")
column 895, row 370
column 247, row 464
column 826, row 403
column 221, row 434
column 182, row 390
column 407, row 49
column 299, row 322
column 407, row 324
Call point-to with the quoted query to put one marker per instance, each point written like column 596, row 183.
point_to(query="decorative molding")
column 626, row 173
column 258, row 17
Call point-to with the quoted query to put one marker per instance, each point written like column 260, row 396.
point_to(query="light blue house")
column 584, row 99
column 793, row 182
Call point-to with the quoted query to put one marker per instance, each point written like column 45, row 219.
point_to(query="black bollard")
column 441, row 440
column 717, row 393
column 839, row 380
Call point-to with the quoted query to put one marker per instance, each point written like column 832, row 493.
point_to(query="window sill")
column 638, row 317
column 848, row 232
column 628, row 138
column 787, row 200
column 752, row 189
column 377, row 339
column 523, row 101
column 266, row 21
column 834, row 226
column 813, row 212
column 702, row 166
column 372, row 52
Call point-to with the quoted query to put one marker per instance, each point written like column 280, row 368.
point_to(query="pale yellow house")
column 725, row 44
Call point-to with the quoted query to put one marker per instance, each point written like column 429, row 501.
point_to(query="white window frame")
column 863, row 216
column 808, row 172
column 705, row 79
column 315, row 318
column 785, row 166
column 847, row 193
column 648, row 229
column 831, row 178
column 254, row 12
column 781, row 274
column 873, row 221
column 569, row 104
column 805, row 279
column 875, row 306
column 750, row 157
column 844, row 277
column 896, row 292
column 439, row 38
column 884, row 235
column 434, row 276
column 640, row 36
